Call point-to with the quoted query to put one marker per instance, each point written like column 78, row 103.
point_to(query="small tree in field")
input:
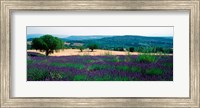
column 81, row 48
column 131, row 49
column 92, row 46
column 47, row 44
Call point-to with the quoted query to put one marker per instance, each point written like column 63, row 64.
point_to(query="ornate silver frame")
column 7, row 6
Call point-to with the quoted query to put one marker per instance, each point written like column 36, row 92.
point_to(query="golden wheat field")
column 97, row 52
column 71, row 52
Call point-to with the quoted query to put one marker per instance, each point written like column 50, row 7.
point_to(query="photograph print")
column 98, row 53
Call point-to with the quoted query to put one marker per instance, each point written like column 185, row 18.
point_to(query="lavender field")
column 143, row 67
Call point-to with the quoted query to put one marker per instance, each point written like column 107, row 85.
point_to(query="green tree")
column 47, row 44
column 92, row 46
column 81, row 48
column 131, row 49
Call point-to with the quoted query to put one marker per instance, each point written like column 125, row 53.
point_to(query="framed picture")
column 116, row 53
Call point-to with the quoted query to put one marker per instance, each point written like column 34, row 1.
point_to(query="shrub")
column 81, row 48
column 122, row 68
column 29, row 62
column 131, row 49
column 135, row 69
column 128, row 57
column 147, row 58
column 80, row 77
column 129, row 69
column 37, row 74
column 154, row 71
column 92, row 46
column 116, row 59
column 57, row 75
column 121, row 78
column 97, row 67
column 119, row 49
column 168, row 64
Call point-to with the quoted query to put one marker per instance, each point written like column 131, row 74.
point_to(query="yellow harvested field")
column 70, row 52
column 97, row 52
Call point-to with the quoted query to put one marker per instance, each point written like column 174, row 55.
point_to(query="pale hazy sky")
column 68, row 31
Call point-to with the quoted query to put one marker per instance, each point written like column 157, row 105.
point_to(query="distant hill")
column 129, row 41
column 31, row 36
column 66, row 37
column 110, row 42
column 79, row 38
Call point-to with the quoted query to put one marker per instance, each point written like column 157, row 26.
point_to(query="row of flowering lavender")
column 99, row 68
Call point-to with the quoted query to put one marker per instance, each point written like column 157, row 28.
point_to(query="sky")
column 84, row 31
